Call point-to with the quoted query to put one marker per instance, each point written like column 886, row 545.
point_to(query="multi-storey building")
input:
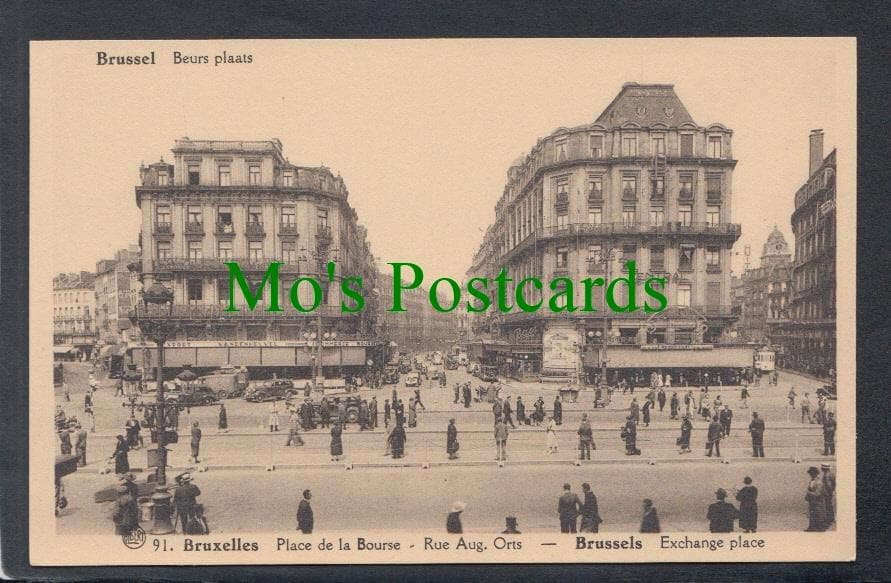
column 643, row 182
column 116, row 287
column 244, row 202
column 74, row 315
column 810, row 335
column 761, row 295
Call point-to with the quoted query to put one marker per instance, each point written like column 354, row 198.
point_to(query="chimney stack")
column 816, row 150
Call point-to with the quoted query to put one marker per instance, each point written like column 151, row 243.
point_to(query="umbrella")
column 187, row 376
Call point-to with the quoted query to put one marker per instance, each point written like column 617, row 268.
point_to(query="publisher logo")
column 135, row 539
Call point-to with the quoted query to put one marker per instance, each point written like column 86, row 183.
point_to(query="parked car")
column 413, row 379
column 451, row 362
column 272, row 390
column 828, row 391
column 227, row 382
column 193, row 396
column 351, row 401
column 488, row 374
column 391, row 375
column 473, row 368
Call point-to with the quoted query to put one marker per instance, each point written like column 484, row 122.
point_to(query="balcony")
column 713, row 196
column 223, row 229
column 287, row 229
column 713, row 269
column 685, row 194
column 254, row 229
column 194, row 228
column 164, row 229
column 218, row 265
column 629, row 194
column 210, row 312
column 323, row 232
column 595, row 196
column 560, row 272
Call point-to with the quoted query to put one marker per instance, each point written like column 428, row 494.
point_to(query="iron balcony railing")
column 218, row 312
column 287, row 229
column 254, row 229
column 194, row 228
column 694, row 312
column 218, row 264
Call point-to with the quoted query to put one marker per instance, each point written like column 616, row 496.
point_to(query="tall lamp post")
column 157, row 326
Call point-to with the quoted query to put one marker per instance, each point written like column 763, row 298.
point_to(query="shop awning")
column 62, row 349
column 112, row 350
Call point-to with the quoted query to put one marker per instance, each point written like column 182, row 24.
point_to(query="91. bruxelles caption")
column 469, row 544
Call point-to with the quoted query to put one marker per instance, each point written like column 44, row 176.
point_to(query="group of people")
column 188, row 513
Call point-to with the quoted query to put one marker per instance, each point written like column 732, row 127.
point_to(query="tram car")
column 765, row 360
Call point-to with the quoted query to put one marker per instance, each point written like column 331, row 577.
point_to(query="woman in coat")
column 336, row 442
column 223, row 425
column 121, row 462
column 125, row 514
column 397, row 440
column 452, row 440
column 453, row 520
column 748, row 506
column 648, row 404
column 650, row 520
column 551, row 432
column 674, row 405
column 686, row 431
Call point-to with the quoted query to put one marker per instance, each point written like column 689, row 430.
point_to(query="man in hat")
column 305, row 520
column 521, row 411
column 829, row 492
column 510, row 525
column 558, row 410
column 721, row 514
column 589, row 510
column 568, row 508
column 714, row 437
column 184, row 500
column 294, row 430
column 126, row 514
column 196, row 441
column 756, row 428
column 453, row 520
column 501, row 434
column 508, row 412
column 816, row 502
column 386, row 413
column 649, row 522
column 372, row 412
column 80, row 444
column 586, row 438
column 128, row 480
column 629, row 434
column 829, row 434
column 65, row 439
column 726, row 418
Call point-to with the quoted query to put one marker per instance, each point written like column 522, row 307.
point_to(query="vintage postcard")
column 442, row 301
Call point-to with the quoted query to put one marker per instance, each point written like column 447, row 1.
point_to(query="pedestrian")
column 828, row 492
column 468, row 395
column 683, row 441
column 372, row 412
column 586, row 438
column 324, row 412
column 336, row 441
column 748, row 506
column 273, row 417
column 400, row 413
column 634, row 410
column 661, row 398
column 65, row 391
column 453, row 520
column 829, row 426
column 305, row 519
column 294, row 430
column 806, row 408
column 65, row 441
column 558, row 410
column 551, row 435
column 726, row 418
column 387, row 413
column 717, row 404
column 396, row 440
column 363, row 415
column 539, row 414
column 715, row 431
column 521, row 411
column 568, row 508
column 80, row 444
column 688, row 401
column 185, row 500
column 756, row 428
column 412, row 413
column 341, row 412
column 744, row 396
column 650, row 520
column 452, row 440
column 705, row 406
column 791, row 397
column 510, row 526
column 309, row 415
column 501, row 434
column 629, row 434
column 508, row 412
column 590, row 513
column 674, row 405
column 395, row 398
column 119, row 388
column 721, row 514
column 121, row 462
column 816, row 502
column 223, row 422
column 648, row 404
column 457, row 393
column 497, row 410
column 125, row 514
column 418, row 402
column 195, row 442
column 821, row 410
column 129, row 482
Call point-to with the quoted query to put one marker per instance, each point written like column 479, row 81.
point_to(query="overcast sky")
column 421, row 131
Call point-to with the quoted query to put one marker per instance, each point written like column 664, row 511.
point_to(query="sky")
column 422, row 131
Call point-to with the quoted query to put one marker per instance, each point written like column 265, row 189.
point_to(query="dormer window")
column 686, row 145
column 597, row 147
column 629, row 145
column 714, row 146
column 194, row 174
column 288, row 178
column 163, row 178
column 560, row 149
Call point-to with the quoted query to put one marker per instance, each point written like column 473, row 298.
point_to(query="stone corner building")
column 645, row 182
column 243, row 201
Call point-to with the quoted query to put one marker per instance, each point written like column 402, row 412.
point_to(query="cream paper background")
column 70, row 94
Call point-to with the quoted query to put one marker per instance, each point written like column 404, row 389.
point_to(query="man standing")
column 294, row 430
column 634, row 410
column 341, row 413
column 508, row 412
column 457, row 392
column 324, row 412
column 792, row 396
column 184, row 500
column 721, row 514
column 497, row 410
column 744, row 396
column 223, row 421
column 650, row 520
column 387, row 413
column 80, row 445
column 467, row 395
column 661, row 398
column 648, row 404
column 586, row 439
column 829, row 434
column 126, row 514
column 590, row 513
column 568, row 508
column 558, row 410
column 829, row 493
column 674, row 405
column 756, row 428
column 304, row 514
column 521, row 411
column 726, row 417
column 806, row 409
column 196, row 441
column 372, row 412
column 452, row 440
column 501, row 434
column 363, row 415
column 816, row 502
column 629, row 434
column 714, row 437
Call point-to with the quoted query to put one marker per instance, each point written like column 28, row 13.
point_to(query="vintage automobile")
column 351, row 401
column 391, row 375
column 404, row 366
column 193, row 396
column 451, row 363
column 474, row 369
column 413, row 379
column 271, row 390
column 228, row 382
column 488, row 373
column 828, row 391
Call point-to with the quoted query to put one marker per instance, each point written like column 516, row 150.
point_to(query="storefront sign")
column 677, row 347
column 254, row 343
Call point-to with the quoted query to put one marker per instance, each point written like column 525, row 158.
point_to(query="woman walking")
column 686, row 431
column 551, row 432
column 397, row 440
column 121, row 462
column 336, row 442
column 452, row 440
column 748, row 506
